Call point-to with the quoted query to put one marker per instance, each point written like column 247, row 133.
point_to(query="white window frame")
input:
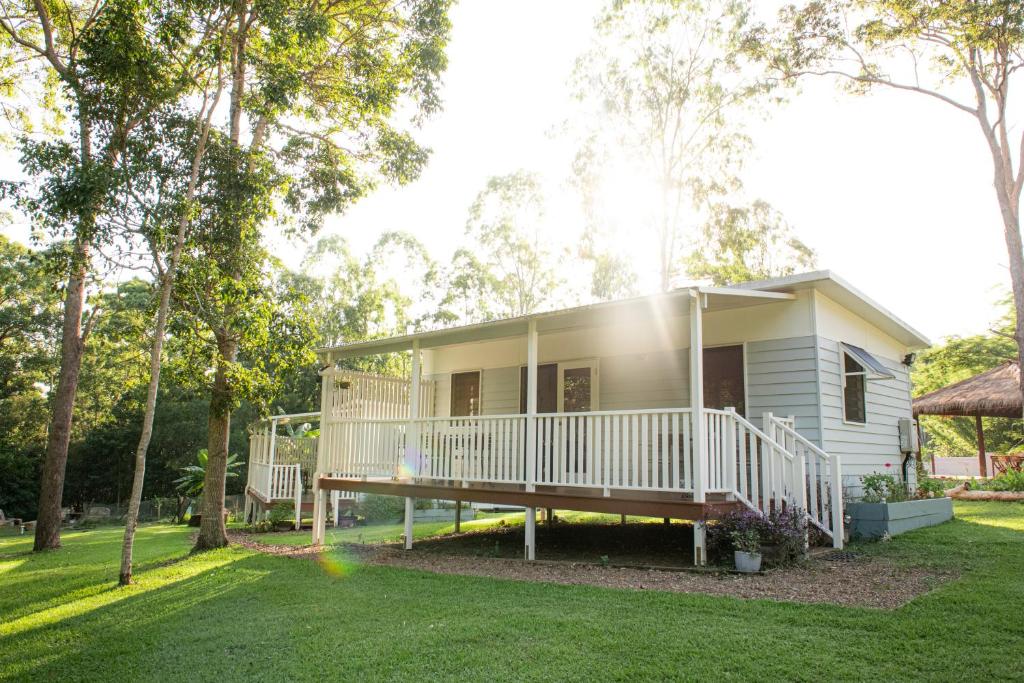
column 843, row 374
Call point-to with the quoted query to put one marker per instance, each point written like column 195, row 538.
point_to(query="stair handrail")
column 835, row 481
column 800, row 491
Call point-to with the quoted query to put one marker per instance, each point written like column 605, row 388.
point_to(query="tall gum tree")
column 108, row 65
column 316, row 91
column 162, row 184
column 664, row 90
column 967, row 55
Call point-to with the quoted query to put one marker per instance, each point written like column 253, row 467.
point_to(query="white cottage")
column 679, row 405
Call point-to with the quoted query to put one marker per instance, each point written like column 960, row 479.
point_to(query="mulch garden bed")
column 638, row 557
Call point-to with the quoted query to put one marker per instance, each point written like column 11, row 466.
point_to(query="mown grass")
column 237, row 615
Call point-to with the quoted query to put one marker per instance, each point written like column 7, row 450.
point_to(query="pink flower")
column 888, row 464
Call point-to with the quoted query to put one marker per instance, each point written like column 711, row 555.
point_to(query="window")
column 854, row 381
column 465, row 394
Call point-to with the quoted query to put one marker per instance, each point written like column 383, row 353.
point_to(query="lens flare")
column 336, row 564
column 410, row 465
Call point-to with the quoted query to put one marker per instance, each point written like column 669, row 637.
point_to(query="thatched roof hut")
column 995, row 393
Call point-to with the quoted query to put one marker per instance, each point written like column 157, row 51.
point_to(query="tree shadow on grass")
column 87, row 564
column 113, row 639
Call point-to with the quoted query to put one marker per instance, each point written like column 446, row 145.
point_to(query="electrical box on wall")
column 908, row 435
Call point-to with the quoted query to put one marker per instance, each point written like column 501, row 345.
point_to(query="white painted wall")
column 835, row 322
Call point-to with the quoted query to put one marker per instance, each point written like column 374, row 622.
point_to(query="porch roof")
column 624, row 311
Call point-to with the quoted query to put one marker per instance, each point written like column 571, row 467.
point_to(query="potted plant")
column 747, row 555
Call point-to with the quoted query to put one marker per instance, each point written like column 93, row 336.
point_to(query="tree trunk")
column 155, row 356
column 1015, row 251
column 1009, row 209
column 51, row 489
column 212, row 532
column 156, row 352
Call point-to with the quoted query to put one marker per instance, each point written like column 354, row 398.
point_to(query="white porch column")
column 531, row 407
column 697, row 398
column 297, row 493
column 323, row 454
column 335, row 504
column 273, row 439
column 412, row 428
column 531, row 534
column 410, row 510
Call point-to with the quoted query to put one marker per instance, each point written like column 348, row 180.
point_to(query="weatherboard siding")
column 869, row 447
column 782, row 379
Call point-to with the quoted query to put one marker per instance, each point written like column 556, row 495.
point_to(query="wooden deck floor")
column 643, row 503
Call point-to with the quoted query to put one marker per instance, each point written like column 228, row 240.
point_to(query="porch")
column 682, row 441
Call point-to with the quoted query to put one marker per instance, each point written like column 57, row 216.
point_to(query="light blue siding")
column 782, row 379
column 864, row 448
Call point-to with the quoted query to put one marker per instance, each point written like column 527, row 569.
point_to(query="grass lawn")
column 237, row 615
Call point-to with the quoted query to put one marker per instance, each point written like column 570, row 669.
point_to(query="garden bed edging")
column 875, row 520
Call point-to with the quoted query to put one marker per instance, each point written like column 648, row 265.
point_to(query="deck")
column 624, row 502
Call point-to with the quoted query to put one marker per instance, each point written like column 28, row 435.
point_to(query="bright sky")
column 892, row 191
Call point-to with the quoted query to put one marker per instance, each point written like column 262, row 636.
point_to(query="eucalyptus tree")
column 664, row 90
column 163, row 170
column 510, row 267
column 967, row 55
column 93, row 72
column 744, row 243
column 316, row 94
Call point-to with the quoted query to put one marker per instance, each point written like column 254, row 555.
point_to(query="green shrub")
column 931, row 488
column 883, row 488
column 281, row 512
column 383, row 508
column 1011, row 480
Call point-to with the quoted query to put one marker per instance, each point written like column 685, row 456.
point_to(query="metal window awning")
column 875, row 368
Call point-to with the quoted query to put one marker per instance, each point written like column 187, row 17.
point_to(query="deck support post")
column 335, row 504
column 458, row 516
column 700, row 543
column 410, row 511
column 319, row 513
column 697, row 398
column 531, row 534
column 531, row 406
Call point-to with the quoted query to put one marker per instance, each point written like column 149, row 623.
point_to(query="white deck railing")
column 636, row 449
column 650, row 450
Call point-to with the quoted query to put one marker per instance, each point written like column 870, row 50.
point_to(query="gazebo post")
column 982, row 461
